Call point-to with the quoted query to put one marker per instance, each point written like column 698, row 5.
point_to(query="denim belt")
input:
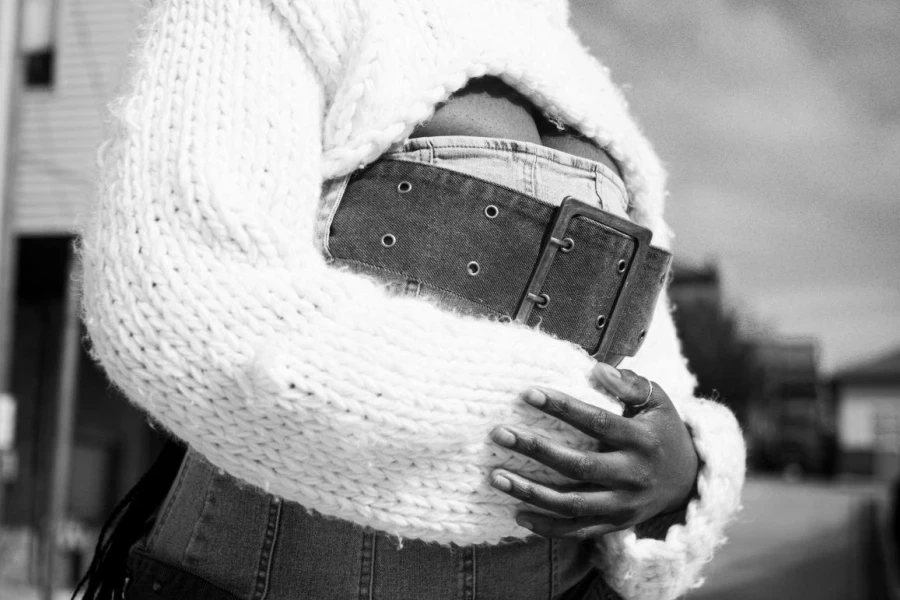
column 576, row 271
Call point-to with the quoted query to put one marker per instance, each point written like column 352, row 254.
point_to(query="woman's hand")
column 644, row 465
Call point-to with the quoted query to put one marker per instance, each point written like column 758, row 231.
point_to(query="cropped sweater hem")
column 210, row 305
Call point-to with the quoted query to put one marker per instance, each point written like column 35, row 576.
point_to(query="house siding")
column 61, row 127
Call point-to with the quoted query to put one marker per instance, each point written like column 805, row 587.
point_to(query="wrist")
column 657, row 526
column 681, row 500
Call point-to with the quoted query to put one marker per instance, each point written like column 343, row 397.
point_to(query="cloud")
column 780, row 126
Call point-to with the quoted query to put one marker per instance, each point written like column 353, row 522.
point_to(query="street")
column 795, row 541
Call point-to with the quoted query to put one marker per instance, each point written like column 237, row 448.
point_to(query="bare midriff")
column 487, row 107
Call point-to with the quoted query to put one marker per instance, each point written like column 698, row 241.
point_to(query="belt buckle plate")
column 554, row 241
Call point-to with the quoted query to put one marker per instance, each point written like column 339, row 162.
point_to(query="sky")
column 779, row 124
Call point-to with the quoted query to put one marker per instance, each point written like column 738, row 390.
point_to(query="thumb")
column 635, row 391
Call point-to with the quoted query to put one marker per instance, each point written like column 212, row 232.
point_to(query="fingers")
column 612, row 429
column 567, row 503
column 582, row 528
column 608, row 468
column 632, row 389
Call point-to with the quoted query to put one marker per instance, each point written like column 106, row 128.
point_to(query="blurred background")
column 779, row 123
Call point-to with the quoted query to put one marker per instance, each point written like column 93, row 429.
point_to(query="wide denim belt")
column 575, row 271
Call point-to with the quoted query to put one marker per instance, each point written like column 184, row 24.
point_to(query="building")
column 696, row 285
column 867, row 399
column 78, row 445
column 773, row 385
column 790, row 422
column 716, row 350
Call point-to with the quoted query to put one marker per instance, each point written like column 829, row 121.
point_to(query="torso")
column 487, row 107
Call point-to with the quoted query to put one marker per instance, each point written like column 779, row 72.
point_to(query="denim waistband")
column 253, row 545
column 216, row 538
column 544, row 173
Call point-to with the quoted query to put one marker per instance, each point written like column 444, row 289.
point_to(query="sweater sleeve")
column 662, row 569
column 208, row 303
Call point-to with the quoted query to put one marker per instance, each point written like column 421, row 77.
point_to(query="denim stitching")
column 494, row 145
column 426, row 284
column 264, row 569
column 196, row 533
column 333, row 198
column 622, row 196
column 431, row 153
column 367, row 567
column 474, row 573
column 554, row 572
column 172, row 499
column 466, row 573
column 532, row 176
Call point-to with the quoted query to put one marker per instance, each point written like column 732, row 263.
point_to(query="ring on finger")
column 647, row 399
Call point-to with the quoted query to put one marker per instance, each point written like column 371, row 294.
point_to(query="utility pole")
column 64, row 426
column 10, row 85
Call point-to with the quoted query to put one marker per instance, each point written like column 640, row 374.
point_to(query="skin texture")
column 487, row 107
column 645, row 464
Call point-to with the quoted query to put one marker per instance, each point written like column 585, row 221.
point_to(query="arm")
column 639, row 475
column 209, row 305
column 207, row 302
column 669, row 567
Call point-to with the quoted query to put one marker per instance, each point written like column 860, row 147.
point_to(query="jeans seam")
column 427, row 284
column 169, row 502
column 474, row 573
column 198, row 525
column 598, row 185
column 554, row 576
column 264, row 569
column 502, row 145
column 332, row 210
column 466, row 573
column 367, row 567
column 413, row 287
column 621, row 197
column 532, row 175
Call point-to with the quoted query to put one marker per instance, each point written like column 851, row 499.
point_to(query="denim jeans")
column 215, row 537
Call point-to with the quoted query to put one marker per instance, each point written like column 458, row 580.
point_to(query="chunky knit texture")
column 209, row 303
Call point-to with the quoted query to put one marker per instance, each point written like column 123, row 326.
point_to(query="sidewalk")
column 17, row 592
column 798, row 541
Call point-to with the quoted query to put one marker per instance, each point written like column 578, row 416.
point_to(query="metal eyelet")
column 601, row 322
column 473, row 268
column 404, row 187
column 565, row 245
column 491, row 211
column 505, row 319
column 541, row 300
column 388, row 240
column 621, row 266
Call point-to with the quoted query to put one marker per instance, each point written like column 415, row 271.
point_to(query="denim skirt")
column 217, row 537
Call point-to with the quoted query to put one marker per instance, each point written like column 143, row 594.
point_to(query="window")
column 39, row 68
column 38, row 42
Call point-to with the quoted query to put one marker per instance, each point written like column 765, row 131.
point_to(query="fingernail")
column 608, row 370
column 523, row 522
column 504, row 437
column 535, row 398
column 501, row 483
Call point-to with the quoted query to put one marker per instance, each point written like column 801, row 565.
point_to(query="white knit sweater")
column 208, row 301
